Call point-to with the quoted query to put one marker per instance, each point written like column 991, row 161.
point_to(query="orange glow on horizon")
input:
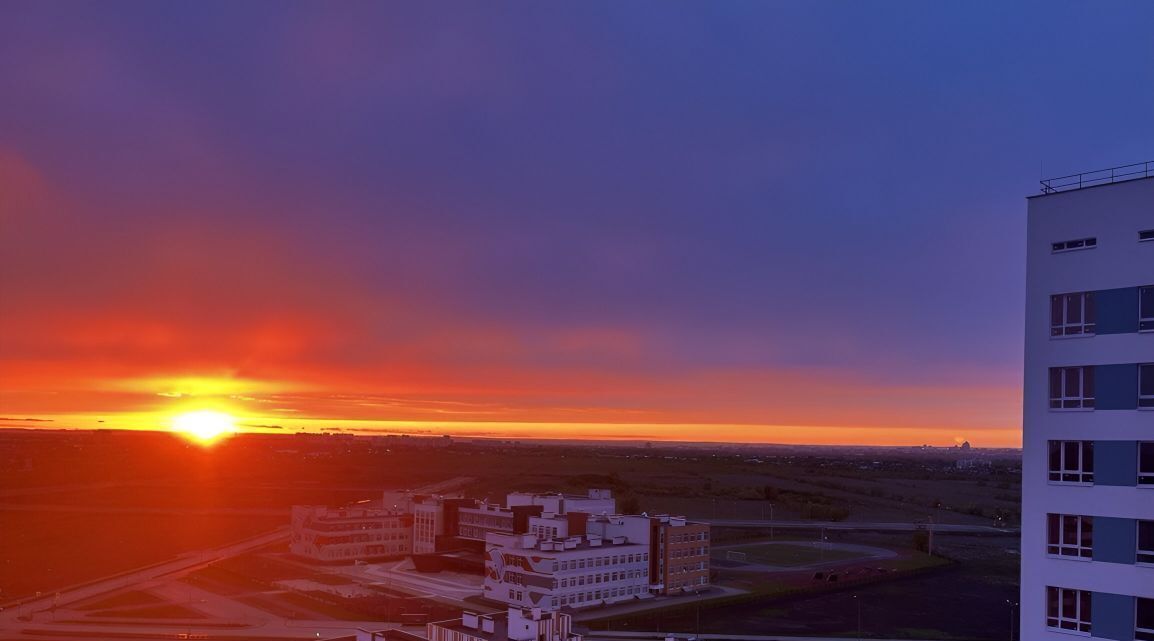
column 204, row 426
column 822, row 435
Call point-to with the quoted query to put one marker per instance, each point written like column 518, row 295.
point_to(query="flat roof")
column 500, row 626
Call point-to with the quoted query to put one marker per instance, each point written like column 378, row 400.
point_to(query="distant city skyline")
column 763, row 222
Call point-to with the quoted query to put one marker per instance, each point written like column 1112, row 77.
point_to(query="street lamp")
column 698, row 612
column 858, row 602
column 1013, row 606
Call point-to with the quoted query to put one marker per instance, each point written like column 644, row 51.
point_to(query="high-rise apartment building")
column 1088, row 457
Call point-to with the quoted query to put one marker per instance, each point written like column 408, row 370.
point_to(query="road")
column 848, row 525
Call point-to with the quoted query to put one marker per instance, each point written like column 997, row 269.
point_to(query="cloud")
column 569, row 214
column 23, row 192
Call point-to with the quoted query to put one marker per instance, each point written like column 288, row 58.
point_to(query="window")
column 1073, row 461
column 1146, row 385
column 1071, row 245
column 1146, row 463
column 1070, row 535
column 1072, row 314
column 1071, row 388
column 1146, row 308
column 1068, row 609
column 1145, row 542
column 1145, row 235
column 1144, row 619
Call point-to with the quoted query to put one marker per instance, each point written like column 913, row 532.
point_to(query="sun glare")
column 204, row 426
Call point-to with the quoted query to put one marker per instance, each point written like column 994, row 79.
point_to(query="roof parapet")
column 1074, row 182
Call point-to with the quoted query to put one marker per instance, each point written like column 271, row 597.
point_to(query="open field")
column 89, row 505
column 929, row 599
column 45, row 551
column 278, row 471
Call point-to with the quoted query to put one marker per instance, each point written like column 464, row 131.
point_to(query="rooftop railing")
column 1098, row 177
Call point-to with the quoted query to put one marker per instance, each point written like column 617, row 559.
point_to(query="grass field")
column 790, row 554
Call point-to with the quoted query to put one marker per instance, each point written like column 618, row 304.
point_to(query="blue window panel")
column 1115, row 540
column 1112, row 616
column 1116, row 310
column 1116, row 387
column 1116, row 463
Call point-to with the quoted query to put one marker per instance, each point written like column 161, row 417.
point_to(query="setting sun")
column 205, row 426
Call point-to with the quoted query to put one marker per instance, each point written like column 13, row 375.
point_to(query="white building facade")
column 1088, row 432
column 428, row 524
column 476, row 522
column 577, row 571
column 595, row 501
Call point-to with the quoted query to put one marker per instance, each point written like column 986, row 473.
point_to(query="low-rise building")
column 681, row 555
column 575, row 571
column 515, row 625
column 334, row 535
column 679, row 548
column 595, row 501
column 475, row 522
column 428, row 524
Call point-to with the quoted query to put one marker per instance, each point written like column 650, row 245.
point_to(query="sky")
column 740, row 221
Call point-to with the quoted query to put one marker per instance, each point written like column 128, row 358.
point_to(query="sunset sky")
column 779, row 222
